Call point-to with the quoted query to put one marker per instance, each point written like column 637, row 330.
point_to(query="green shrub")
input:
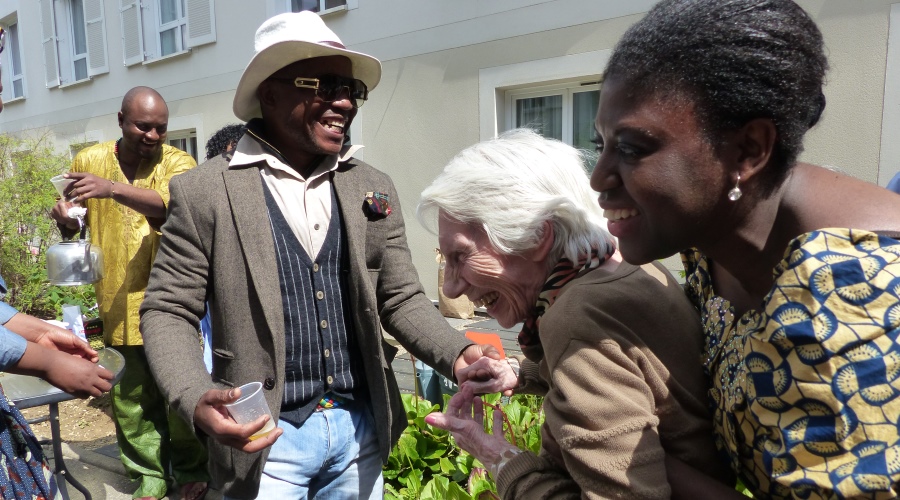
column 26, row 229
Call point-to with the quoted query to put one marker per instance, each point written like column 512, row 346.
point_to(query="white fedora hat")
column 286, row 39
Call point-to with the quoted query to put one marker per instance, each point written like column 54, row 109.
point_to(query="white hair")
column 510, row 186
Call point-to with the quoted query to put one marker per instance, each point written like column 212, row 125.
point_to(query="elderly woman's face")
column 661, row 185
column 506, row 285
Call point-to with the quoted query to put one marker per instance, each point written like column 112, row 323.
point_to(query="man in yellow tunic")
column 124, row 185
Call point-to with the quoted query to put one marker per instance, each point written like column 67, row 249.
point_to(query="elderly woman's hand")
column 483, row 363
column 489, row 375
column 464, row 418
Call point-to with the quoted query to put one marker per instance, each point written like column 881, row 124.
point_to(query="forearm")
column 404, row 310
column 173, row 305
column 530, row 380
column 601, row 421
column 420, row 328
column 529, row 476
column 171, row 341
column 29, row 327
column 34, row 361
column 145, row 201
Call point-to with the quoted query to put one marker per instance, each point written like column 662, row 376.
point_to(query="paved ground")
column 102, row 474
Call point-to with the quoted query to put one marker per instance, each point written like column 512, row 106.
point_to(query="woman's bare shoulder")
column 820, row 197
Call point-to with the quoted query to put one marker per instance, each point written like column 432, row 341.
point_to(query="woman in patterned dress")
column 795, row 268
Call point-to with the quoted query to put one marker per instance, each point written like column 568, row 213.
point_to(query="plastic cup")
column 250, row 406
column 61, row 183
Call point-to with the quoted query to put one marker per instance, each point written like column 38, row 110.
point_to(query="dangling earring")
column 735, row 193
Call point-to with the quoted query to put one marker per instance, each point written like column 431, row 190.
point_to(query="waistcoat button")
column 269, row 383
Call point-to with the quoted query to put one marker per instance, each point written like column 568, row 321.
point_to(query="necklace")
column 116, row 149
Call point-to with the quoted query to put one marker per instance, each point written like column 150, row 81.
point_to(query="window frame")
column 289, row 7
column 74, row 57
column 189, row 136
column 142, row 28
column 566, row 89
column 889, row 153
column 58, row 41
column 13, row 47
column 179, row 24
column 494, row 82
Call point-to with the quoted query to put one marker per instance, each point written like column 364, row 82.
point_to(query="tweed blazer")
column 217, row 245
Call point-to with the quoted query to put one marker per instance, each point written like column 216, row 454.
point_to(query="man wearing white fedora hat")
column 301, row 252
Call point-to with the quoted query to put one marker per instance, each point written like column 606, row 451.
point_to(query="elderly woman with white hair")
column 613, row 347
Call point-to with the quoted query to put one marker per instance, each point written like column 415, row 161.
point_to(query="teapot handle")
column 86, row 263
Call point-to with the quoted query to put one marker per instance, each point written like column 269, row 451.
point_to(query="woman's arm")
column 72, row 374
column 49, row 336
column 600, row 433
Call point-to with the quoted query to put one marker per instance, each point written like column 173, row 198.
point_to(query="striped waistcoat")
column 319, row 338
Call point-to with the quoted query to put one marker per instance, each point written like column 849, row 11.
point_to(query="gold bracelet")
column 112, row 189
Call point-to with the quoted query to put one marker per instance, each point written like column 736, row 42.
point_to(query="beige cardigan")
column 624, row 386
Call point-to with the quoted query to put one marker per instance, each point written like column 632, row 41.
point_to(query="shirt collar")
column 253, row 148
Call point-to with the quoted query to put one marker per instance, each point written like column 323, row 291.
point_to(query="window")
column 14, row 77
column 320, row 6
column 185, row 140
column 75, row 148
column 79, row 39
column 153, row 29
column 558, row 95
column 172, row 27
column 564, row 112
column 889, row 159
column 73, row 35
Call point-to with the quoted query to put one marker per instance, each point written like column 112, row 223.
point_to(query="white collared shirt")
column 305, row 203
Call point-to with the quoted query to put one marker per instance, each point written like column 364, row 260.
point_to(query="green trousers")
column 153, row 442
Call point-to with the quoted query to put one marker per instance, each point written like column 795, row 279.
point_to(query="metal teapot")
column 74, row 262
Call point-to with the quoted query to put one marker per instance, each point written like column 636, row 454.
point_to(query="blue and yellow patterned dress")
column 805, row 391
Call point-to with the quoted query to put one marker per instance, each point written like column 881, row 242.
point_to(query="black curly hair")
column 735, row 60
column 224, row 138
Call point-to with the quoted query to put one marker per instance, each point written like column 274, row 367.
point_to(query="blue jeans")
column 333, row 455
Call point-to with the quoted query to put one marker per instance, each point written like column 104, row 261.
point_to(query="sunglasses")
column 330, row 88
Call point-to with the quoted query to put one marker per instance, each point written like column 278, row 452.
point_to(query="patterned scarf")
column 562, row 273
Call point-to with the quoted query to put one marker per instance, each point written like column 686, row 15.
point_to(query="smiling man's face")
column 302, row 121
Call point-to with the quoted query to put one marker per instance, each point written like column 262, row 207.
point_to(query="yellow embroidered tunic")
column 128, row 242
column 805, row 391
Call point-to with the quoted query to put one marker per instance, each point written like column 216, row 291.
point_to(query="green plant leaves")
column 427, row 463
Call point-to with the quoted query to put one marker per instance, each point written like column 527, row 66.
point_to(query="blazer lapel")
column 251, row 219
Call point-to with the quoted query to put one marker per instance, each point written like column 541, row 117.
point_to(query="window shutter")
column 96, row 37
column 48, row 41
column 201, row 22
column 132, row 35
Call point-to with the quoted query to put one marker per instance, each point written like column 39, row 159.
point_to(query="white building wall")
column 440, row 61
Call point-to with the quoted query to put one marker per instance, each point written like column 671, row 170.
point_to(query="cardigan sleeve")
column 12, row 346
column 600, row 418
